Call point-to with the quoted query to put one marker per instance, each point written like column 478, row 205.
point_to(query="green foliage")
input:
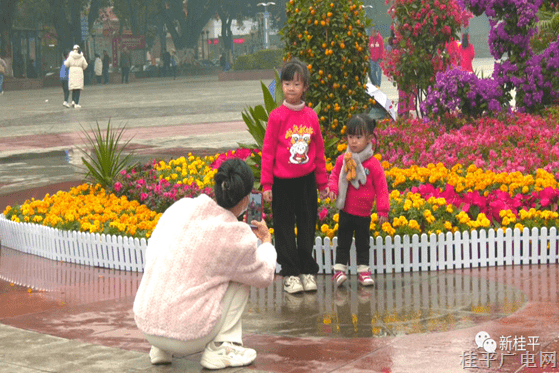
column 107, row 160
column 261, row 60
column 330, row 37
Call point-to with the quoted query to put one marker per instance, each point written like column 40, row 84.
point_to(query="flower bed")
column 460, row 193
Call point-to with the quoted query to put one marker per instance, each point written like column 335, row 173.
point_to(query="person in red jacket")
column 467, row 53
column 355, row 182
column 293, row 166
column 376, row 48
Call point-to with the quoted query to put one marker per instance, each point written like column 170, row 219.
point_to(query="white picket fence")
column 390, row 255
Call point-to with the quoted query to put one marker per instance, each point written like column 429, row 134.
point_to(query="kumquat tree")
column 330, row 37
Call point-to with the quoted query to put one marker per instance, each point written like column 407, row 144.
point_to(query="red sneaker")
column 339, row 277
column 365, row 279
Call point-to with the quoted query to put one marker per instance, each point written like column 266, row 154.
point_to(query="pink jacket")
column 376, row 47
column 196, row 250
column 293, row 147
column 359, row 202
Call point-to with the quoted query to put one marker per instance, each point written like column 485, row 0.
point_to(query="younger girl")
column 355, row 182
column 292, row 167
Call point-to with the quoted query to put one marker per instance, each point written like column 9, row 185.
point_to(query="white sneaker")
column 72, row 104
column 65, row 103
column 226, row 355
column 309, row 282
column 158, row 356
column 292, row 284
column 77, row 106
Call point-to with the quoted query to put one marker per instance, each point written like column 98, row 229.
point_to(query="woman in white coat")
column 77, row 64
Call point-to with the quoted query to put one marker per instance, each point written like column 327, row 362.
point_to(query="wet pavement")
column 411, row 322
column 62, row 317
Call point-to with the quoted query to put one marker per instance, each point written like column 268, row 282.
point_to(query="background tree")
column 7, row 12
column 422, row 29
column 330, row 36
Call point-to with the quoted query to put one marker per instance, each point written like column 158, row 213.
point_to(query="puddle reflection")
column 400, row 304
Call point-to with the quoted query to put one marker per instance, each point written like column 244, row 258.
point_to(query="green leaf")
column 269, row 101
column 278, row 92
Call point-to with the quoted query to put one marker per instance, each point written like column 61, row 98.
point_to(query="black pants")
column 125, row 72
column 347, row 224
column 76, row 96
column 105, row 76
column 65, row 89
column 295, row 201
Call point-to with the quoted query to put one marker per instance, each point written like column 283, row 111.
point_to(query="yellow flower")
column 324, row 228
column 336, row 217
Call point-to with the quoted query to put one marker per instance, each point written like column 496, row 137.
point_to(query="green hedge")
column 261, row 60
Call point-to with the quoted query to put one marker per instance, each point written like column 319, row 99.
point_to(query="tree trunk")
column 7, row 12
column 61, row 25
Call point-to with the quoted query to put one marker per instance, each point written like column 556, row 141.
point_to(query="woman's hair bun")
column 233, row 181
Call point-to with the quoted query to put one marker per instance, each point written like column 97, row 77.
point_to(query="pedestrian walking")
column 77, row 64
column 174, row 64
column 467, row 53
column 98, row 68
column 106, row 63
column 376, row 49
column 64, row 80
column 125, row 64
column 3, row 71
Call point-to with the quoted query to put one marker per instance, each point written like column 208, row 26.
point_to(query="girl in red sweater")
column 293, row 166
column 355, row 187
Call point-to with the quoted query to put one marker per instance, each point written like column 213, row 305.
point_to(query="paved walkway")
column 60, row 317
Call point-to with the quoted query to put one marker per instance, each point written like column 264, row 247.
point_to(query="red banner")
column 133, row 42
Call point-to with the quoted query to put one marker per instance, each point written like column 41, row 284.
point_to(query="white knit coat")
column 195, row 251
column 77, row 64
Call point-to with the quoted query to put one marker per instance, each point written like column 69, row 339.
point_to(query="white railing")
column 398, row 254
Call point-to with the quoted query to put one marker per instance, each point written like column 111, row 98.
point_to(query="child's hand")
column 332, row 196
column 324, row 193
column 382, row 219
column 267, row 196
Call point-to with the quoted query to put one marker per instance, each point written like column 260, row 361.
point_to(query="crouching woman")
column 200, row 263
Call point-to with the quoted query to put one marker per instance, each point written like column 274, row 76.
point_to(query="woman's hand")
column 261, row 231
column 382, row 219
column 267, row 196
column 332, row 196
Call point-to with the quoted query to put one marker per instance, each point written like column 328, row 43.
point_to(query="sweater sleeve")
column 320, row 163
column 335, row 175
column 257, row 267
column 381, row 188
column 269, row 151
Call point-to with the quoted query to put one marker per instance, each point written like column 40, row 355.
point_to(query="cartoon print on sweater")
column 300, row 140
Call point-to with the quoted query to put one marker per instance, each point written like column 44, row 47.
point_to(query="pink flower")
column 118, row 187
column 323, row 214
column 143, row 196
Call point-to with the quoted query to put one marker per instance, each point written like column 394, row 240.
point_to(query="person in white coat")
column 77, row 64
column 98, row 67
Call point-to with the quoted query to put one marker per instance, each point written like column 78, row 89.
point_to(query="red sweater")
column 359, row 202
column 293, row 147
column 376, row 47
column 467, row 56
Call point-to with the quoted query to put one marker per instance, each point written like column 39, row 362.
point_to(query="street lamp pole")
column 266, row 17
column 366, row 7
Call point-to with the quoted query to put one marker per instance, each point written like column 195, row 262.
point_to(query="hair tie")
column 225, row 185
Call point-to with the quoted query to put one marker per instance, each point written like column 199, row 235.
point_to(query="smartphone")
column 254, row 210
